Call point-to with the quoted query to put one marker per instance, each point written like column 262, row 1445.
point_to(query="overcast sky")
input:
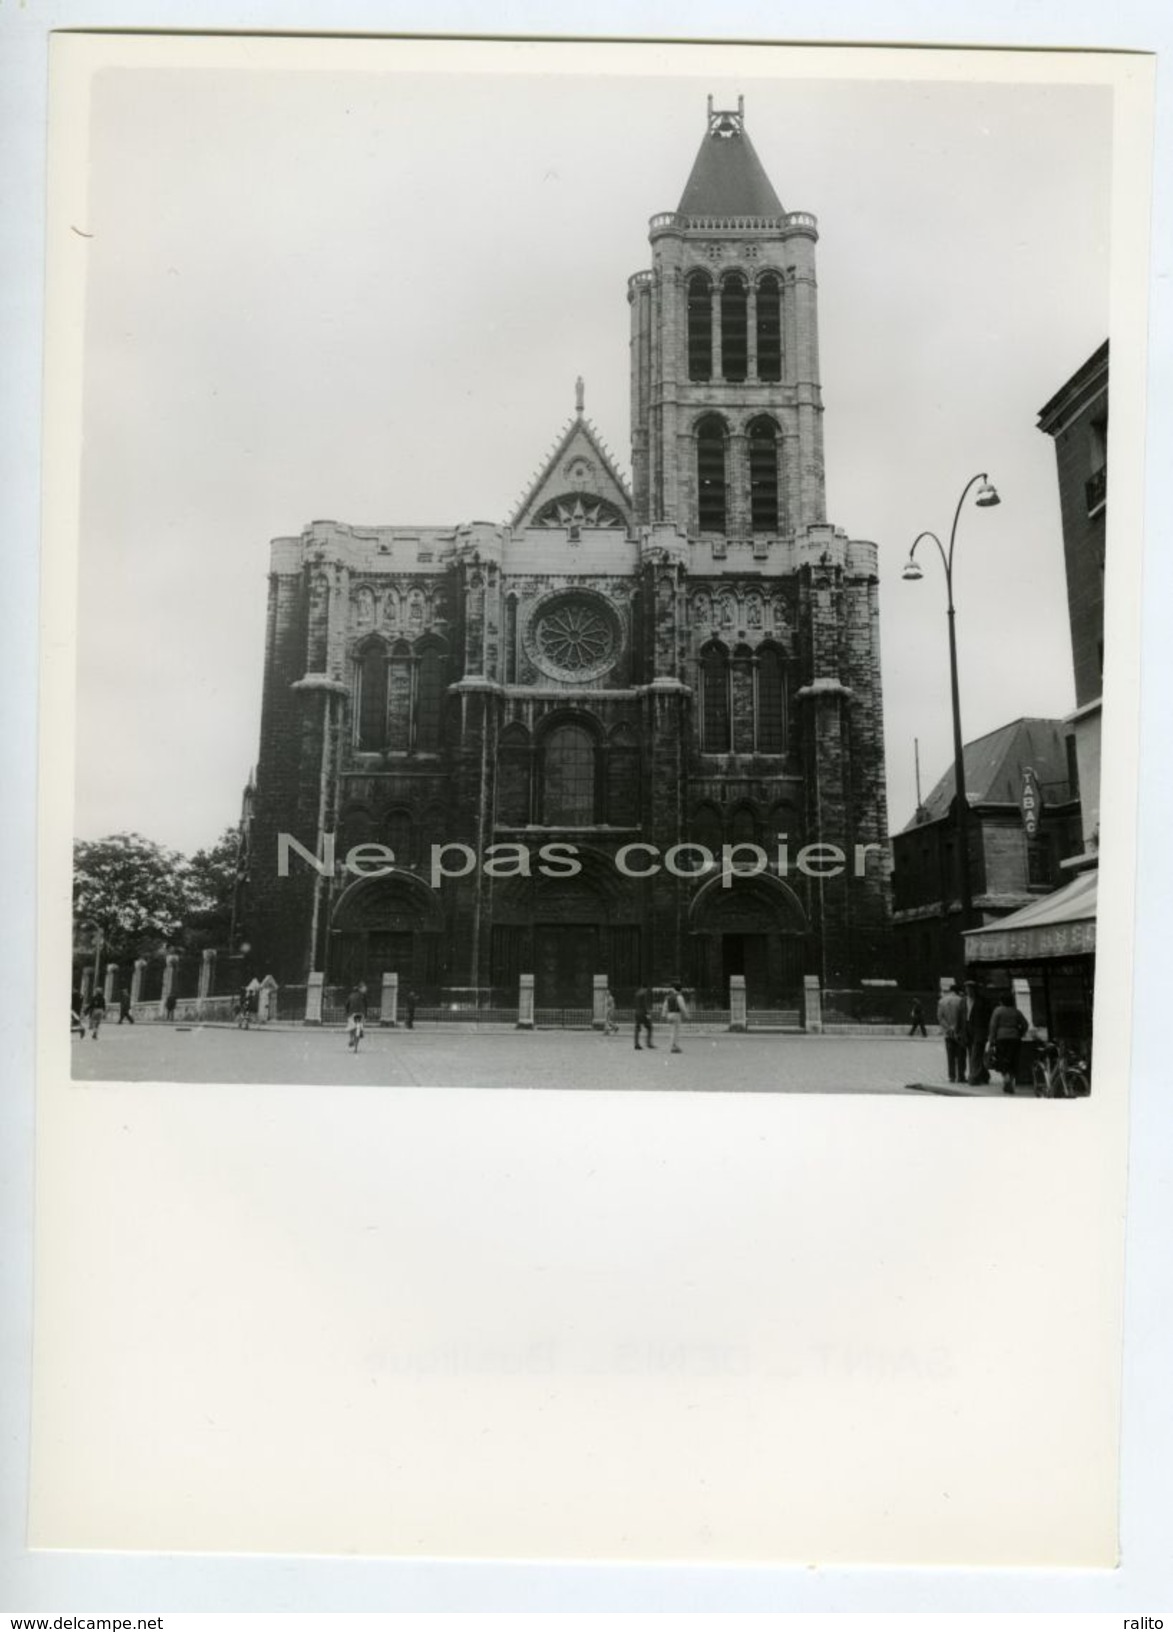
column 366, row 296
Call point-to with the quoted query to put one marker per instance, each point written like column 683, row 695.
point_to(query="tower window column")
column 763, row 475
column 751, row 332
column 737, row 520
column 718, row 338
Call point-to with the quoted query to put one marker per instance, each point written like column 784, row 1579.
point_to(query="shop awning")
column 1061, row 925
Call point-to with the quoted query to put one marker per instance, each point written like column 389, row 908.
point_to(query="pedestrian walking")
column 951, row 1019
column 97, row 1012
column 675, row 1012
column 169, row 1006
column 242, row 1009
column 976, row 1022
column 610, row 1023
column 356, row 1009
column 412, row 1000
column 124, row 1007
column 77, row 1013
column 643, row 1016
column 917, row 1016
column 1008, row 1024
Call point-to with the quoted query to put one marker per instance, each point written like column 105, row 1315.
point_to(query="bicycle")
column 1056, row 1075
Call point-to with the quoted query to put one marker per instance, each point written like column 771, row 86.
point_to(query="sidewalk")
column 966, row 1090
column 489, row 1028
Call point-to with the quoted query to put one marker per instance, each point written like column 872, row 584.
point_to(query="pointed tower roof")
column 578, row 474
column 728, row 178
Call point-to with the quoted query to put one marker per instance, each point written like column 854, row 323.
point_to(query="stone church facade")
column 691, row 661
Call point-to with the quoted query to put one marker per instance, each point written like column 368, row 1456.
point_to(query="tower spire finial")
column 579, row 395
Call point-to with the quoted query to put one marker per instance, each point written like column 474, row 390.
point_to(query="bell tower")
column 726, row 409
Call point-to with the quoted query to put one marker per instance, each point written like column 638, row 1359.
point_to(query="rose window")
column 574, row 638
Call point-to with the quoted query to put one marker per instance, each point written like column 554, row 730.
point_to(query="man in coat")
column 951, row 1019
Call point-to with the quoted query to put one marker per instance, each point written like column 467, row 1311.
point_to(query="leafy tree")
column 135, row 891
column 212, row 881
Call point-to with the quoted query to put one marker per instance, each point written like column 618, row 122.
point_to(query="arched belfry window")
column 734, row 327
column 771, row 700
column 371, row 702
column 700, row 327
column 763, row 475
column 710, row 474
column 715, row 699
column 769, row 328
column 569, row 767
column 429, row 696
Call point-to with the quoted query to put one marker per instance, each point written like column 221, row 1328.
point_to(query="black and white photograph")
column 558, row 552
column 715, row 478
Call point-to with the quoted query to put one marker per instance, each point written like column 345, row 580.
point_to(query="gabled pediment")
column 577, row 486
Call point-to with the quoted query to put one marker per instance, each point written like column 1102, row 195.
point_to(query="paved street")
column 451, row 1057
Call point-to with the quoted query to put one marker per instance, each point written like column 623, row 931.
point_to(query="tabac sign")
column 1031, row 803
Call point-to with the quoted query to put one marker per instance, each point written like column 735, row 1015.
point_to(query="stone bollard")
column 525, row 1003
column 313, row 998
column 389, row 999
column 136, row 981
column 812, row 1005
column 110, row 989
column 738, row 1019
column 599, row 1003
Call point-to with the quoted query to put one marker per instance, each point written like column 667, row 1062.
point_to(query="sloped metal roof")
column 994, row 765
column 728, row 179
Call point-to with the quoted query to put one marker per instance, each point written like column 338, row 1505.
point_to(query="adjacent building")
column 616, row 681
column 1077, row 418
column 1051, row 945
column 1024, row 825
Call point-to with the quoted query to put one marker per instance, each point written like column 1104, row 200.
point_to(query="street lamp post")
column 986, row 496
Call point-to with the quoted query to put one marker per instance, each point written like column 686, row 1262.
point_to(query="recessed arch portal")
column 755, row 928
column 387, row 925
